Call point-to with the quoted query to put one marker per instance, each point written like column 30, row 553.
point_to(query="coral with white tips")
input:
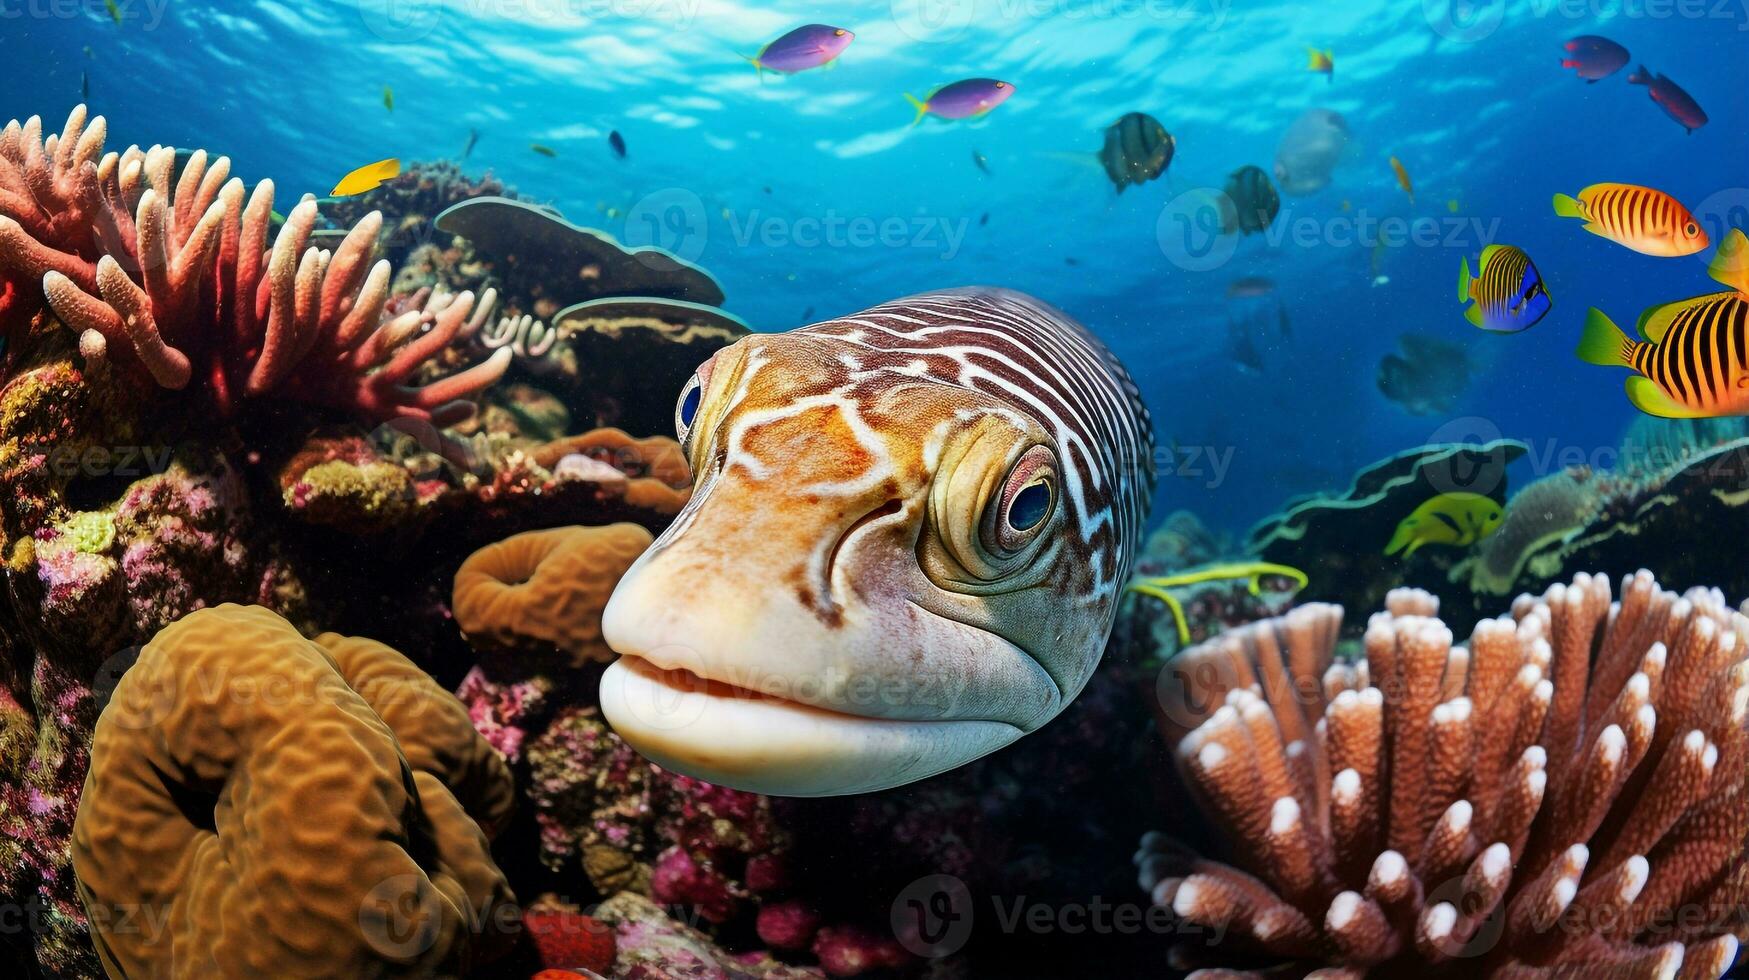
column 1519, row 807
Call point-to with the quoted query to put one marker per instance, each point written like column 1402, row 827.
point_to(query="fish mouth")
column 763, row 742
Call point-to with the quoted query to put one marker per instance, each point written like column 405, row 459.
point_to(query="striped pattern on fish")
column 907, row 540
column 1644, row 219
column 1019, row 349
column 1701, row 361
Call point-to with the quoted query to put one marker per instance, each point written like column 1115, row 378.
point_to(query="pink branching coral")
column 1568, row 796
column 176, row 276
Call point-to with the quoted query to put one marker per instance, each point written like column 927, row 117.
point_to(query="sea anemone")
column 1568, row 796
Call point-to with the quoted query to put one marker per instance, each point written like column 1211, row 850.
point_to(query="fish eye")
column 1691, row 229
column 686, row 410
column 1001, row 84
column 840, row 32
column 1029, row 507
column 1023, row 508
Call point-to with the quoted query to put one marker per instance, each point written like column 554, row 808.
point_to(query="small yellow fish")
column 1459, row 519
column 1403, row 179
column 114, row 11
column 1452, row 205
column 545, row 151
column 388, row 98
column 1322, row 62
column 366, row 178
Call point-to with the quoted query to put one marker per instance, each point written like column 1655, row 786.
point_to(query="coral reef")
column 653, row 946
column 542, row 592
column 177, row 278
column 1517, row 807
column 1603, row 519
column 412, row 199
column 634, row 354
column 288, row 808
column 1330, row 537
column 1543, row 515
column 539, row 256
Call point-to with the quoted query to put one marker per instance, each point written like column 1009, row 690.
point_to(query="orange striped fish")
column 1694, row 360
column 1646, row 220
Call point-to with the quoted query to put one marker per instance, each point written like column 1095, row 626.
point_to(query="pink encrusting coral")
column 176, row 276
column 1567, row 796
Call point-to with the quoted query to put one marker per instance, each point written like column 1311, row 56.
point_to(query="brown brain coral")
column 545, row 590
column 261, row 805
column 1568, row 796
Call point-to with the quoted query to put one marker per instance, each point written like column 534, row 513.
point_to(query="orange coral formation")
column 658, row 473
column 262, row 805
column 175, row 275
column 1514, row 808
column 545, row 590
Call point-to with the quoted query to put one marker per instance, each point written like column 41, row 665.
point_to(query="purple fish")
column 1676, row 103
column 1594, row 57
column 803, row 48
column 962, row 99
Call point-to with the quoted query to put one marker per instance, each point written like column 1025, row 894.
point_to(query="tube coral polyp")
column 177, row 274
column 1568, row 795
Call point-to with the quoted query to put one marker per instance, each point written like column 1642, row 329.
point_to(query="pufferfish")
column 904, row 549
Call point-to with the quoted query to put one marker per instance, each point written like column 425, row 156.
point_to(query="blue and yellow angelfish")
column 1508, row 292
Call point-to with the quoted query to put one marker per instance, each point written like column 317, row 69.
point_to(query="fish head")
column 879, row 576
column 1688, row 236
column 1531, row 302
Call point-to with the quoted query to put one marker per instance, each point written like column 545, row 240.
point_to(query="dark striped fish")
column 1646, row 220
column 1508, row 294
column 1137, row 149
column 1693, row 362
column 1251, row 201
column 909, row 531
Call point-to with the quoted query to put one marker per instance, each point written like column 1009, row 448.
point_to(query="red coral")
column 568, row 941
column 183, row 281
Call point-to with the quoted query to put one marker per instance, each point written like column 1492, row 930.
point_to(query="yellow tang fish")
column 366, row 178
column 1321, row 62
column 1648, row 221
column 1451, row 518
column 1694, row 360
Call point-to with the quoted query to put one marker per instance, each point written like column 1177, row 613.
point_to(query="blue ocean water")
column 812, row 195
